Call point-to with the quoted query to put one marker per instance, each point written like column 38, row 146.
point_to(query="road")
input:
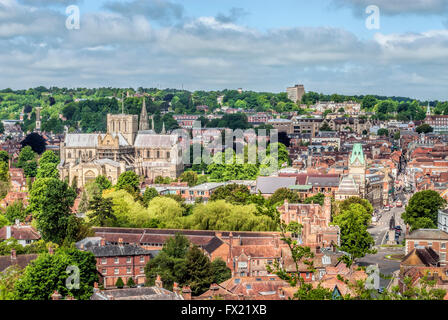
column 378, row 232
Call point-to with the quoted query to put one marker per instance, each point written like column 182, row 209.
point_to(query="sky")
column 228, row 44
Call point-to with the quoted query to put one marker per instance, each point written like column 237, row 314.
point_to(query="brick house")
column 435, row 239
column 115, row 261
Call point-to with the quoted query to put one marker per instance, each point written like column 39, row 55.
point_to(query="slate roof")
column 22, row 260
column 430, row 234
column 268, row 185
column 426, row 256
column 324, row 181
column 143, row 293
column 145, row 140
column 89, row 140
column 111, row 250
column 213, row 244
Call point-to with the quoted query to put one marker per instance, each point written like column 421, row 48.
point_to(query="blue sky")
column 217, row 44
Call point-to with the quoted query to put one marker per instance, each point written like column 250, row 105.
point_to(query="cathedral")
column 128, row 145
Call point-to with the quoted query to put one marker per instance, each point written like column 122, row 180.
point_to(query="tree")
column 48, row 157
column 102, row 214
column 103, row 183
column 424, row 128
column 318, row 198
column 3, row 221
column 119, row 284
column 4, row 172
column 397, row 135
column 130, row 283
column 325, row 127
column 50, row 203
column 49, row 273
column 15, row 211
column 422, row 208
column 220, row 271
column 383, row 132
column 190, row 177
column 35, row 141
column 4, row 156
column 26, row 154
column 129, row 181
column 8, row 280
column 355, row 240
column 282, row 194
column 150, row 193
column 368, row 102
column 232, row 193
column 47, row 170
column 345, row 205
column 199, row 268
column 169, row 264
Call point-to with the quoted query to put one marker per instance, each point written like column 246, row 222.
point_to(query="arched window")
column 158, row 154
column 168, row 155
column 148, row 154
column 69, row 155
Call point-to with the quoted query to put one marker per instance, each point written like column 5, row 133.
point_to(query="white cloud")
column 397, row 7
column 114, row 49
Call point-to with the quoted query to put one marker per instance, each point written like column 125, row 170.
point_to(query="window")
column 442, row 256
column 128, row 260
column 142, row 259
column 443, row 246
column 104, row 271
column 429, row 244
column 128, row 270
column 142, row 270
column 148, row 154
column 168, row 155
column 116, row 271
column 158, row 154
column 115, row 260
column 103, row 261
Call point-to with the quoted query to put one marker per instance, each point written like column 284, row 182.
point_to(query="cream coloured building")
column 123, row 148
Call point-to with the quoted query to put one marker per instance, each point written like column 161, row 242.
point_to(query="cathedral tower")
column 143, row 124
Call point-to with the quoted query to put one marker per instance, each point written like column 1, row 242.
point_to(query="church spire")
column 428, row 110
column 143, row 125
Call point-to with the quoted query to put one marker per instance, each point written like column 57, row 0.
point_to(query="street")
column 379, row 231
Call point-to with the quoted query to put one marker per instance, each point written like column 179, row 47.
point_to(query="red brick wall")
column 110, row 278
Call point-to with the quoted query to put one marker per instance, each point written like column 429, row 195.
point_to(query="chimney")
column 159, row 283
column 56, row 296
column 276, row 241
column 120, row 241
column 103, row 242
column 13, row 254
column 176, row 288
column 317, row 249
column 70, row 298
column 286, row 205
column 186, row 293
column 218, row 234
column 95, row 286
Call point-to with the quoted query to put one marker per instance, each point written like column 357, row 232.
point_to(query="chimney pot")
column 103, row 242
column 56, row 296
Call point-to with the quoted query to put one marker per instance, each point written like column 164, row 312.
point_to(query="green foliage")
column 50, row 203
column 345, row 205
column 15, row 211
column 190, row 177
column 3, row 221
column 4, row 156
column 150, row 193
column 48, row 157
column 130, row 283
column 8, row 280
column 35, row 141
column 48, row 170
column 424, row 128
column 103, row 183
column 422, row 209
column 128, row 181
column 186, row 264
column 368, row 102
column 281, row 194
column 355, row 240
column 318, row 199
column 232, row 193
column 49, row 273
column 4, row 172
column 383, row 132
column 119, row 284
column 101, row 214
